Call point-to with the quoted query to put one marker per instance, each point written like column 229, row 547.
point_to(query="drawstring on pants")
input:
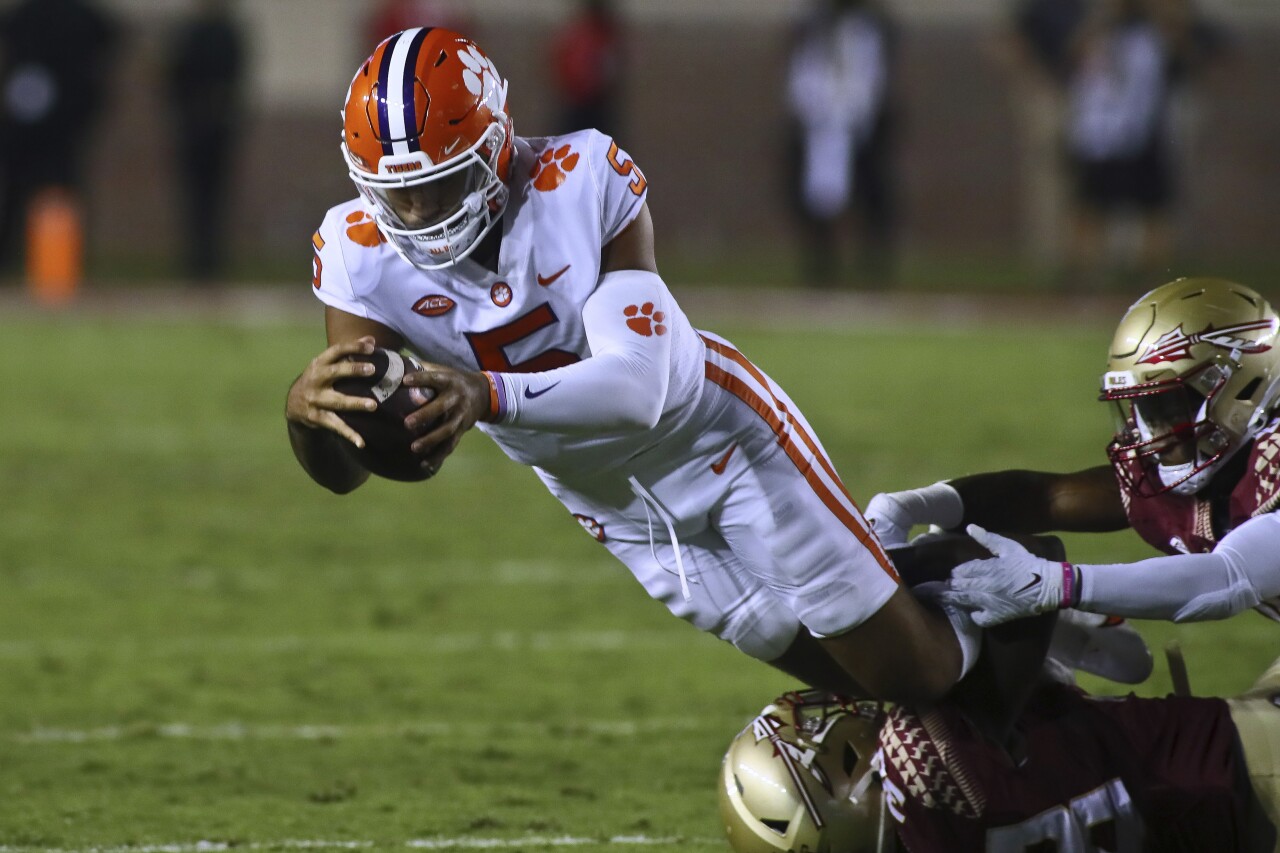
column 649, row 500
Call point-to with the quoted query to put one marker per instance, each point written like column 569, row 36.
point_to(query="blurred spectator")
column 588, row 58
column 205, row 71
column 1036, row 48
column 839, row 91
column 55, row 58
column 1119, row 139
column 392, row 16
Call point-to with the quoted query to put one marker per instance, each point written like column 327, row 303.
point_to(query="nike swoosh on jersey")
column 546, row 280
column 719, row 466
column 530, row 394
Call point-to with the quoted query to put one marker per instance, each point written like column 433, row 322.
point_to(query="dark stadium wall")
column 704, row 117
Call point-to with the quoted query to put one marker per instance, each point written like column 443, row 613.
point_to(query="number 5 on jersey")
column 627, row 168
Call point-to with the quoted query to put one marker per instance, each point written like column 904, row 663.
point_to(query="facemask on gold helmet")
column 799, row 779
column 1194, row 374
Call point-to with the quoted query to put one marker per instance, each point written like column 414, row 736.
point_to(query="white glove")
column 1011, row 585
column 893, row 514
column 888, row 519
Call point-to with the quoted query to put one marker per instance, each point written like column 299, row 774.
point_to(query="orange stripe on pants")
column 746, row 394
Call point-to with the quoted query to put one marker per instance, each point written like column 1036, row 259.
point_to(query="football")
column 386, row 451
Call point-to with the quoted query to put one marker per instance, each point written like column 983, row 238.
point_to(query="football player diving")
column 521, row 272
column 1194, row 376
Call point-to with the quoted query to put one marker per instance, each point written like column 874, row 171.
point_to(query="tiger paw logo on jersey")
column 363, row 231
column 553, row 168
column 645, row 321
column 500, row 293
column 593, row 527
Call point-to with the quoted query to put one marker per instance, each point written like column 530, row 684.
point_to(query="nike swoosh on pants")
column 719, row 465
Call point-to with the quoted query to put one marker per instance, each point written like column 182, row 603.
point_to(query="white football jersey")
column 726, row 509
column 570, row 195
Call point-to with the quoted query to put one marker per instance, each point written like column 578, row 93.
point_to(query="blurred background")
column 207, row 149
column 945, row 207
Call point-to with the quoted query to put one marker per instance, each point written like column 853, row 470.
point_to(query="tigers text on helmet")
column 799, row 779
column 428, row 142
column 1194, row 373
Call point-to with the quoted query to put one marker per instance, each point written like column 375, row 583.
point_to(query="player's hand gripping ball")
column 386, row 440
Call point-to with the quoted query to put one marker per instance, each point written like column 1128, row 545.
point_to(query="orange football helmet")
column 428, row 142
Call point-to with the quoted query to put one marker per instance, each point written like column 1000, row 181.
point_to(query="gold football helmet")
column 1194, row 373
column 799, row 779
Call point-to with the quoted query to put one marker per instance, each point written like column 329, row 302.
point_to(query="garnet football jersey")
column 1092, row 774
column 1184, row 523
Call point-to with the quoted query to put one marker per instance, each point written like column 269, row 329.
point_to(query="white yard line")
column 237, row 731
column 557, row 841
column 404, row 642
column 536, row 841
column 38, row 576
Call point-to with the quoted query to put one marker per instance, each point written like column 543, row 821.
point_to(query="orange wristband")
column 495, row 397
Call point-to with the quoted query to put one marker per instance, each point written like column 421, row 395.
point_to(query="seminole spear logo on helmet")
column 1176, row 344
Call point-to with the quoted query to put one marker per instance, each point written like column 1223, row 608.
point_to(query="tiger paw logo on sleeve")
column 644, row 320
column 552, row 168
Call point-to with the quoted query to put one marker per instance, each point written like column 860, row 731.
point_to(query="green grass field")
column 199, row 645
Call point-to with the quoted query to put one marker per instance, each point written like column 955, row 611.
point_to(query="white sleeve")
column 1240, row 572
column 622, row 385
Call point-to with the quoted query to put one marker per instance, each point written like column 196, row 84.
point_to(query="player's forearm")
column 1243, row 570
column 1015, row 501
column 630, row 322
column 1019, row 501
column 322, row 456
column 605, row 392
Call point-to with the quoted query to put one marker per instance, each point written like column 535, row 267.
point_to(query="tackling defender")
column 1087, row 775
column 1194, row 372
column 521, row 271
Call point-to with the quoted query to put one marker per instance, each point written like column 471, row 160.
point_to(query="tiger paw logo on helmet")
column 363, row 231
column 478, row 68
column 552, row 168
